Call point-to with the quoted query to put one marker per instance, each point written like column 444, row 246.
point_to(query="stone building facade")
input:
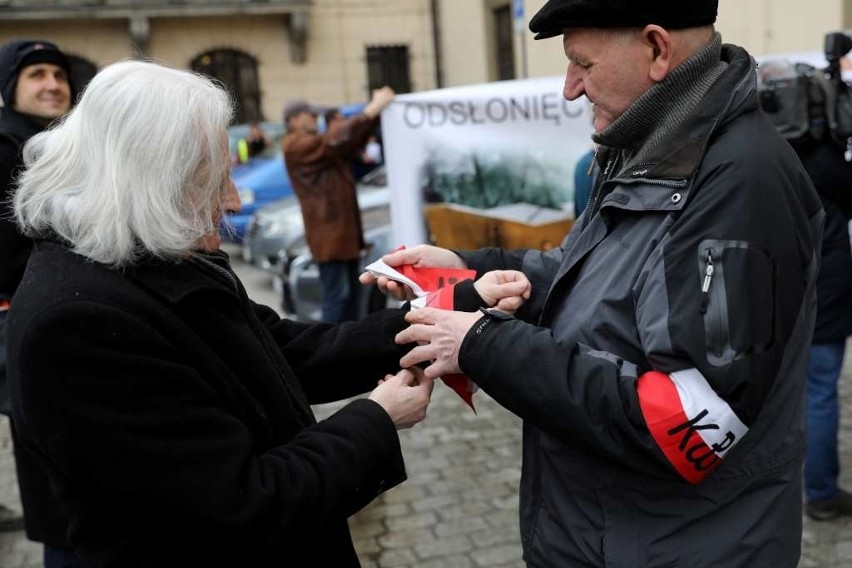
column 335, row 51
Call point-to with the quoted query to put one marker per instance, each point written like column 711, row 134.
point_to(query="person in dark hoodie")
column 34, row 84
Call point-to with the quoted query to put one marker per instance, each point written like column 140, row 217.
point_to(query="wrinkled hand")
column 418, row 256
column 504, row 289
column 404, row 396
column 439, row 334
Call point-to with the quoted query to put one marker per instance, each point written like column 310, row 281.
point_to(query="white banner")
column 482, row 146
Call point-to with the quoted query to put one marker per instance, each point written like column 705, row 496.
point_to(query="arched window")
column 238, row 72
column 82, row 71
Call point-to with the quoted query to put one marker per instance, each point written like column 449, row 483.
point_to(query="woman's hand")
column 404, row 396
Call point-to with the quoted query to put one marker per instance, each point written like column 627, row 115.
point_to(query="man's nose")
column 573, row 88
column 54, row 83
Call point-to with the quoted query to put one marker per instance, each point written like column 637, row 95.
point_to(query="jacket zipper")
column 594, row 198
column 708, row 279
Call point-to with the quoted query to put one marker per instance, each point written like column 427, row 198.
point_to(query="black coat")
column 615, row 472
column 172, row 415
column 45, row 522
column 15, row 130
column 832, row 177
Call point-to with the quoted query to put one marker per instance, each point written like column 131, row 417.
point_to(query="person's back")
column 170, row 412
column 318, row 166
column 35, row 88
column 140, row 513
column 832, row 177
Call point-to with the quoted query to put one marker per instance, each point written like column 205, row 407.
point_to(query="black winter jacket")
column 172, row 416
column 832, row 178
column 659, row 365
column 15, row 130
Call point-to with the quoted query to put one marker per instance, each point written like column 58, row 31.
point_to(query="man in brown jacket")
column 320, row 171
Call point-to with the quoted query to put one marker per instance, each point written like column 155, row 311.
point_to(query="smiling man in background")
column 34, row 84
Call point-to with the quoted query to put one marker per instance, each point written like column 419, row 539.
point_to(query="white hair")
column 138, row 167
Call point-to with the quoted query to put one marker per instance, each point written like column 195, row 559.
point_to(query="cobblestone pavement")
column 459, row 507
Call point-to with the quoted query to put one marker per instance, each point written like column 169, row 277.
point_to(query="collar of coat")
column 170, row 279
column 18, row 127
column 176, row 280
column 732, row 94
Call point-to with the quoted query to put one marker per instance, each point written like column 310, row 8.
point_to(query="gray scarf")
column 655, row 115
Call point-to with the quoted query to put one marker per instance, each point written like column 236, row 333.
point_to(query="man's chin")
column 51, row 112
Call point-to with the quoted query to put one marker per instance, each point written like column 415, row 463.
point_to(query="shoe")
column 827, row 509
column 10, row 520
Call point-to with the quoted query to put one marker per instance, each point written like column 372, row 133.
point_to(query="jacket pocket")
column 737, row 299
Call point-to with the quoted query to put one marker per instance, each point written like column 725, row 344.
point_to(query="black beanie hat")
column 17, row 54
column 556, row 15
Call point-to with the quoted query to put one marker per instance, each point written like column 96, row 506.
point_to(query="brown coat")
column 320, row 171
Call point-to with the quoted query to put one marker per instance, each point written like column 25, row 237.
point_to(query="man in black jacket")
column 659, row 363
column 832, row 177
column 35, row 89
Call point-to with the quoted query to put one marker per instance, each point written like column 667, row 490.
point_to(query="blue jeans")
column 821, row 462
column 339, row 282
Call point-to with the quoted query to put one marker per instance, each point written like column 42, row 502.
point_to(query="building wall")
column 463, row 42
column 765, row 27
column 340, row 31
column 99, row 41
column 335, row 71
column 761, row 26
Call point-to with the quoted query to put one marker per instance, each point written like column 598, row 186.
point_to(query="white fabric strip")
column 696, row 396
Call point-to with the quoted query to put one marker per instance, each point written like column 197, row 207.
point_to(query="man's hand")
column 439, row 334
column 418, row 256
column 504, row 289
column 380, row 100
column 404, row 396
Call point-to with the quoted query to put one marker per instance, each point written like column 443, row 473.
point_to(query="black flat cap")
column 556, row 15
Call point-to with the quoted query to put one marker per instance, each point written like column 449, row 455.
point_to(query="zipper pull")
column 595, row 159
column 848, row 153
column 705, row 286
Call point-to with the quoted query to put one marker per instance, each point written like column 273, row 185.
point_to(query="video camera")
column 838, row 98
column 808, row 105
column 837, row 44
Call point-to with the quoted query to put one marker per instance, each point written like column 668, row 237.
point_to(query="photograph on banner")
column 484, row 147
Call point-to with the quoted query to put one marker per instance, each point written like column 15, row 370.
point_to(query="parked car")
column 262, row 179
column 301, row 294
column 259, row 181
column 279, row 226
column 276, row 242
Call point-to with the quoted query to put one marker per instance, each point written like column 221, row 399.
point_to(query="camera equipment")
column 808, row 105
column 837, row 44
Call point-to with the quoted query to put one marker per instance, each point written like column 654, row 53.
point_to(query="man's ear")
column 660, row 42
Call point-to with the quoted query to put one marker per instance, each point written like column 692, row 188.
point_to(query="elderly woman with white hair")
column 170, row 411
